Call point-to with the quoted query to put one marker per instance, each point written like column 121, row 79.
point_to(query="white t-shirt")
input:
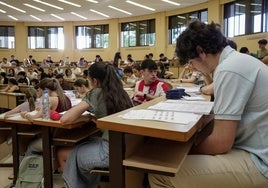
column 241, row 93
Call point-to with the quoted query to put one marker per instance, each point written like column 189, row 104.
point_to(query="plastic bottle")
column 45, row 105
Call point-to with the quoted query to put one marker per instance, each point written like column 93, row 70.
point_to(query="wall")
column 214, row 7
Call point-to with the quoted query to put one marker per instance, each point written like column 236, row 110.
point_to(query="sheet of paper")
column 199, row 107
column 166, row 116
column 190, row 89
column 17, row 116
column 194, row 98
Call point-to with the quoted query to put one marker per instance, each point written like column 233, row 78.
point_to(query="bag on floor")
column 31, row 173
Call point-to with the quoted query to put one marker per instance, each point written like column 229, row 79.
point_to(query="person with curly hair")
column 235, row 154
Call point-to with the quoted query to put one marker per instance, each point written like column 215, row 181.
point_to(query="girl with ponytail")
column 106, row 97
column 29, row 105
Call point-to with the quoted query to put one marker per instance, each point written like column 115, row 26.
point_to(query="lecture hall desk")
column 23, row 127
column 72, row 137
column 150, row 156
column 9, row 100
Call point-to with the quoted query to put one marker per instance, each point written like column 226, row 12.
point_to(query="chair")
column 104, row 172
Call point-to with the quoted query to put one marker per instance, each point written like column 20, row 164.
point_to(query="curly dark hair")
column 207, row 36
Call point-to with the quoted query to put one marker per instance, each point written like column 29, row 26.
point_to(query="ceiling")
column 68, row 12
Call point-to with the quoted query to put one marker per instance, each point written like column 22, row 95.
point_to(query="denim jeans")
column 84, row 157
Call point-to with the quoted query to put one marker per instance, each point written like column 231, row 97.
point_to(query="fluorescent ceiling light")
column 92, row 1
column 255, row 4
column 48, row 4
column 69, row 3
column 172, row 2
column 193, row 17
column 78, row 15
column 10, row 6
column 35, row 18
column 34, row 7
column 140, row 5
column 97, row 12
column 241, row 5
column 2, row 11
column 256, row 11
column 182, row 17
column 60, row 18
column 118, row 9
column 12, row 17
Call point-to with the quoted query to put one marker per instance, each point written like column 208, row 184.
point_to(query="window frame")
column 232, row 20
column 178, row 23
column 94, row 34
column 132, row 35
column 7, row 33
column 41, row 37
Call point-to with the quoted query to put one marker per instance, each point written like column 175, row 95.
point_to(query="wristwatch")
column 145, row 96
column 180, row 80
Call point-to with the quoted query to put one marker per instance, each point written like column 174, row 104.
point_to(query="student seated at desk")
column 129, row 79
column 150, row 86
column 193, row 76
column 23, row 79
column 106, row 97
column 12, row 86
column 4, row 79
column 65, row 85
column 81, row 86
column 163, row 72
column 29, row 105
column 235, row 154
column 69, row 75
column 59, row 102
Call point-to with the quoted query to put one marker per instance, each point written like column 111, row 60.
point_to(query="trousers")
column 232, row 170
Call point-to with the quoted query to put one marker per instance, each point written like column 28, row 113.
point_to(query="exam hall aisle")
column 5, row 172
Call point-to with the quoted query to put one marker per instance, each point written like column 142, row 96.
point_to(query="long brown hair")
column 54, row 85
column 31, row 96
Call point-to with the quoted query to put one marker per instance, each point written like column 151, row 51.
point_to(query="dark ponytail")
column 115, row 96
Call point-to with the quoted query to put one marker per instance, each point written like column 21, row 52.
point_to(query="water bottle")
column 45, row 105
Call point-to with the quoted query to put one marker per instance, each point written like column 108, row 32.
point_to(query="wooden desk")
column 3, row 100
column 47, row 142
column 18, row 122
column 3, row 86
column 10, row 100
column 13, row 99
column 166, row 136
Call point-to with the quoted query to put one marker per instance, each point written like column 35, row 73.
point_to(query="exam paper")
column 199, row 107
column 166, row 116
column 190, row 89
column 194, row 98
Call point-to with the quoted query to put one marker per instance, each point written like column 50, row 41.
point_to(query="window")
column 94, row 36
column 45, row 37
column 245, row 17
column 7, row 37
column 178, row 23
column 140, row 33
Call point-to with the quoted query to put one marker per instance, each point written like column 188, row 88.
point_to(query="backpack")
column 31, row 172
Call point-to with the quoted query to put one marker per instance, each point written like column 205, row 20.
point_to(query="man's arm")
column 219, row 141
